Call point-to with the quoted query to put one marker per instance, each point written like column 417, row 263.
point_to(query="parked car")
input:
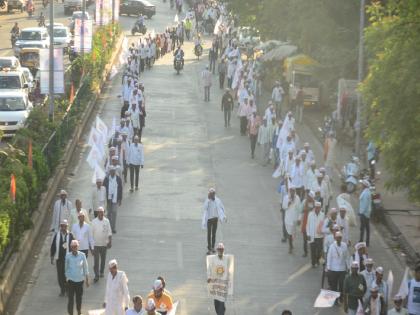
column 13, row 80
column 14, row 110
column 36, row 37
column 62, row 36
column 77, row 15
column 15, row 5
column 29, row 57
column 71, row 6
column 10, row 62
column 137, row 7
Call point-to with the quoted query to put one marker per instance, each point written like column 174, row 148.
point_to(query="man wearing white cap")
column 375, row 305
column 296, row 176
column 113, row 186
column 398, row 308
column 83, row 233
column 285, row 166
column 218, row 271
column 60, row 247
column 151, row 308
column 287, row 147
column 337, row 259
column 354, row 288
column 135, row 160
column 326, row 190
column 309, row 153
column 74, row 213
column 365, row 209
column 343, row 222
column 291, row 205
column 162, row 300
column 310, row 180
column 331, row 219
column 307, row 205
column 61, row 211
column 206, row 78
column 314, row 233
column 369, row 275
column 277, row 97
column 98, row 197
column 102, row 238
column 214, row 211
column 360, row 255
column 117, row 297
column 77, row 273
column 381, row 284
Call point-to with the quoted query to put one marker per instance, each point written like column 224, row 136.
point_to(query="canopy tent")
column 279, row 53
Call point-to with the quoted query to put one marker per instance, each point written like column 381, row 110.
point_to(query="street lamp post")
column 51, row 64
column 360, row 75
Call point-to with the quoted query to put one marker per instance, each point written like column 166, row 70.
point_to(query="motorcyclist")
column 179, row 55
column 15, row 32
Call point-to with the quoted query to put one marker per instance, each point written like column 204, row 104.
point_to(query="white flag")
column 97, row 173
column 390, row 283
column 403, row 291
column 176, row 19
column 94, row 157
column 326, row 298
column 102, row 128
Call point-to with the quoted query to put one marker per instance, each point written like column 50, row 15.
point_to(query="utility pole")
column 113, row 12
column 82, row 29
column 51, row 65
column 360, row 76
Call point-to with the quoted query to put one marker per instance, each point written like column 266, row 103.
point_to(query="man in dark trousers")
column 213, row 58
column 227, row 106
column 60, row 246
column 113, row 186
column 222, row 69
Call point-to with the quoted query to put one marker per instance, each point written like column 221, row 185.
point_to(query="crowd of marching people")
column 307, row 201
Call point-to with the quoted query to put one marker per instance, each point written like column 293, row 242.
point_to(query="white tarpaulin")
column 44, row 68
column 326, row 298
column 97, row 173
column 221, row 274
column 102, row 128
column 83, row 32
column 97, row 312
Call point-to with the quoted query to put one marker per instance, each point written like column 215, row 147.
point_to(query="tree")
column 392, row 90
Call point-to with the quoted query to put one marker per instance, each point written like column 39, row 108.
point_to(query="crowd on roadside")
column 305, row 188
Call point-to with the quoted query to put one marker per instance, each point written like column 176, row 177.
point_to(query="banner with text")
column 220, row 272
column 83, row 32
column 44, row 69
column 326, row 298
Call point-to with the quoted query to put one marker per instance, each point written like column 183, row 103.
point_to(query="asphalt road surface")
column 159, row 230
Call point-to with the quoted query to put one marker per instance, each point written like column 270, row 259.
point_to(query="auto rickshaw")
column 29, row 57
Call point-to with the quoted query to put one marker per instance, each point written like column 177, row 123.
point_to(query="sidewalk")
column 402, row 218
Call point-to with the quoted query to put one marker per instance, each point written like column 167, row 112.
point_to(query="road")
column 159, row 227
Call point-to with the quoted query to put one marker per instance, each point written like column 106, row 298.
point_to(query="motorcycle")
column 41, row 21
column 350, row 174
column 327, row 127
column 198, row 51
column 178, row 64
column 142, row 29
column 13, row 39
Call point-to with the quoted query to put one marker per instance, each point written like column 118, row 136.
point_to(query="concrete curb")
column 16, row 263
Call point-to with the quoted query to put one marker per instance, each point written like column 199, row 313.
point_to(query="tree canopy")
column 392, row 90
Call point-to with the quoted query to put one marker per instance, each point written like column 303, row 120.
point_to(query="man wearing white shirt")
column 214, row 211
column 343, row 223
column 296, row 176
column 310, row 177
column 137, row 307
column 135, row 158
column 287, row 146
column 309, row 154
column 277, row 97
column 98, row 198
column 291, row 204
column 314, row 233
column 337, row 260
column 61, row 211
column 102, row 237
column 369, row 274
column 113, row 186
column 74, row 213
column 82, row 232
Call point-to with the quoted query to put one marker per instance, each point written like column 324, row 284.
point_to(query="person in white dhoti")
column 285, row 166
column 314, row 233
column 286, row 147
column 310, row 180
column 218, row 270
column 98, row 198
column 291, row 205
column 343, row 223
column 309, row 154
column 264, row 140
column 117, row 296
column 61, row 211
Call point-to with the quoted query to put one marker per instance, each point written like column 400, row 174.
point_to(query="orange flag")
column 30, row 154
column 71, row 93
column 13, row 188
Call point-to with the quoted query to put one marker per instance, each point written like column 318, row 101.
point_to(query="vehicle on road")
column 70, row 6
column 15, row 5
column 77, row 15
column 178, row 64
column 138, row 29
column 247, row 36
column 10, row 62
column 61, row 35
column 15, row 107
column 34, row 37
column 198, row 50
column 300, row 72
column 13, row 80
column 29, row 57
column 137, row 7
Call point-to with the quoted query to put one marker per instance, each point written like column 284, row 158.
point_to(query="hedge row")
column 48, row 141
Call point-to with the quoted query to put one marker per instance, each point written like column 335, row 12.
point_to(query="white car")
column 62, row 36
column 10, row 62
column 32, row 37
column 13, row 80
column 14, row 110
